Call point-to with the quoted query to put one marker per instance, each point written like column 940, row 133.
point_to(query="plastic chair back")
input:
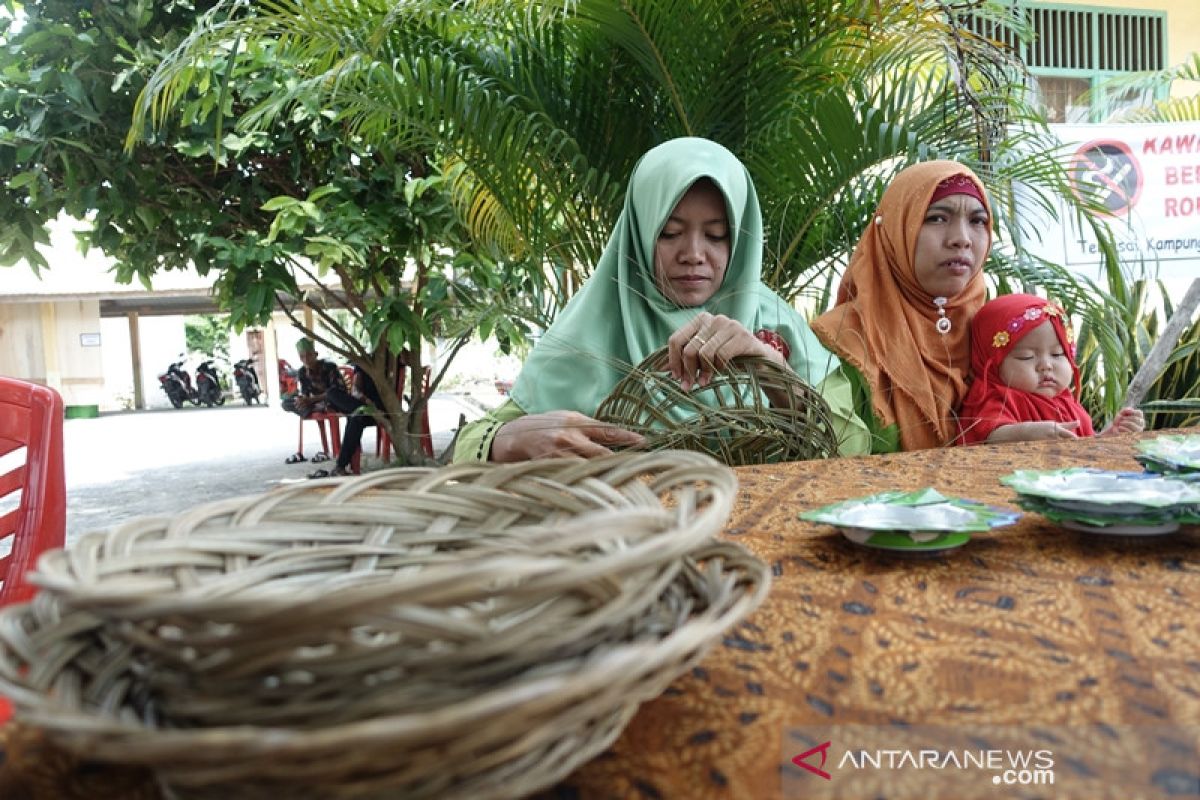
column 33, row 493
column 383, row 441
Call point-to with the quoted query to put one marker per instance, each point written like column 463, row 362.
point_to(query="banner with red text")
column 1148, row 176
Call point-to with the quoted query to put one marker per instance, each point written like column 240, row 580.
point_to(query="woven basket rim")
column 63, row 573
column 731, row 418
column 584, row 680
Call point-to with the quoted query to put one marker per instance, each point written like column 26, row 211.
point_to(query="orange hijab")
column 884, row 323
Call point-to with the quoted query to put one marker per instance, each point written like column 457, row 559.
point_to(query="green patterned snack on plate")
column 1178, row 453
column 1150, row 519
column 1083, row 489
column 924, row 520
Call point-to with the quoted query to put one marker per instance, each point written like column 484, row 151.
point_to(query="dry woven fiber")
column 730, row 419
column 474, row 631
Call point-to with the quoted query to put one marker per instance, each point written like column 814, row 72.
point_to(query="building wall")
column 79, row 370
column 21, row 353
column 162, row 342
column 55, row 343
column 1183, row 29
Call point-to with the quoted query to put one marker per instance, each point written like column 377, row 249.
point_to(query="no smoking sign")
column 1106, row 172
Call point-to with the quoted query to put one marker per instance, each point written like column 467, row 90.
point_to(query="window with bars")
column 1072, row 48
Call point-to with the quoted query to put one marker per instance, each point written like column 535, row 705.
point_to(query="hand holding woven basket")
column 731, row 418
column 472, row 631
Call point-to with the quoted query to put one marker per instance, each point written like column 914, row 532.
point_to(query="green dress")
column 882, row 439
column 619, row 316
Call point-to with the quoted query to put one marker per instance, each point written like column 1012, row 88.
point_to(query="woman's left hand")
column 707, row 343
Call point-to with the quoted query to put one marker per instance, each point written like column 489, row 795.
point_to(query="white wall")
column 54, row 343
column 116, row 354
column 21, row 342
column 76, row 324
column 162, row 340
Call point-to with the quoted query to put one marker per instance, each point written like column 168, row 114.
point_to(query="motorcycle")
column 247, row 381
column 208, row 385
column 177, row 383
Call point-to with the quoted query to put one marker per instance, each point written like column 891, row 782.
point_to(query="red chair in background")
column 327, row 421
column 31, row 419
column 328, row 428
column 383, row 441
column 287, row 377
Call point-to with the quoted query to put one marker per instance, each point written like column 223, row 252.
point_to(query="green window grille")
column 1073, row 48
column 1087, row 39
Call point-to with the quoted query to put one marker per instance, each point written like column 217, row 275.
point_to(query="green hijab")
column 619, row 317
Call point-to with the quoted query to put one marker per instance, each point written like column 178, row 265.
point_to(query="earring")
column 943, row 323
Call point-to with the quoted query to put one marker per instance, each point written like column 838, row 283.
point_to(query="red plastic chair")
column 327, row 421
column 31, row 419
column 287, row 377
column 327, row 426
column 383, row 441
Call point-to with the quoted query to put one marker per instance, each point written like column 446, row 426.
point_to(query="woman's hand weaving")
column 556, row 434
column 709, row 342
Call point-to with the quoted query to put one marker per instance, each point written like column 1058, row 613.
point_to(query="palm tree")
column 540, row 110
column 1152, row 84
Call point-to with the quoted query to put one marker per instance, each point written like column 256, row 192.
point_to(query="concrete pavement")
column 130, row 464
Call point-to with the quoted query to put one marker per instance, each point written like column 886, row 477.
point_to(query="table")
column 1028, row 631
column 1026, row 626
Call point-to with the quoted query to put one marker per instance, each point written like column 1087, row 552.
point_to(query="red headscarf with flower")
column 989, row 404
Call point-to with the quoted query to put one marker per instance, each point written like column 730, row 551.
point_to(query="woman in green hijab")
column 682, row 268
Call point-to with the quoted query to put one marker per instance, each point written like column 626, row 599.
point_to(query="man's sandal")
column 320, row 456
column 328, row 473
column 295, row 458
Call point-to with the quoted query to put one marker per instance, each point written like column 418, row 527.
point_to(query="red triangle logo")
column 799, row 760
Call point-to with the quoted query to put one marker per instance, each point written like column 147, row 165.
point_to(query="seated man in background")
column 354, row 405
column 317, row 378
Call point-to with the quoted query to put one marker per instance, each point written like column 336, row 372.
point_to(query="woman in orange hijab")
column 904, row 306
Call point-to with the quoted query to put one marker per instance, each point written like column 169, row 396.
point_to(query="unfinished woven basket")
column 730, row 419
column 473, row 631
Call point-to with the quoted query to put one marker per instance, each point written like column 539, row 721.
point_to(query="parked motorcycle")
column 247, row 381
column 208, row 385
column 177, row 383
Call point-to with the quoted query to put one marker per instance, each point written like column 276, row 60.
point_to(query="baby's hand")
column 1034, row 431
column 1128, row 420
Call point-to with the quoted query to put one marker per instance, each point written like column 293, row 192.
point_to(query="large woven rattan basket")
column 730, row 419
column 474, row 631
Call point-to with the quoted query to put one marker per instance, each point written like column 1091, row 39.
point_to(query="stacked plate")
column 1170, row 455
column 1106, row 502
column 920, row 521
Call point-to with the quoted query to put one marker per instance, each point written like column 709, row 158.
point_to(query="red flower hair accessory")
column 1032, row 317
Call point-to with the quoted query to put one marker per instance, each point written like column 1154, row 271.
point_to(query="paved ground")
column 125, row 465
